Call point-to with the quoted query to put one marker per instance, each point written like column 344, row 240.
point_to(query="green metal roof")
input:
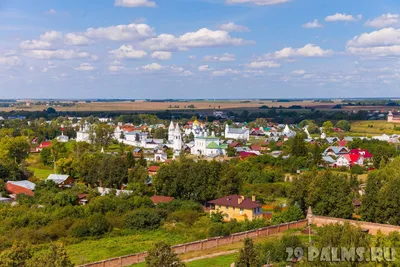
column 213, row 145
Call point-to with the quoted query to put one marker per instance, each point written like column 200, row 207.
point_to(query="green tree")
column 55, row 256
column 130, row 159
column 327, row 126
column 292, row 214
column 344, row 125
column 298, row 146
column 161, row 255
column 45, row 156
column 160, row 133
column 248, row 256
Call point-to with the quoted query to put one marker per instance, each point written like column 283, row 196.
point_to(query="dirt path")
column 212, row 255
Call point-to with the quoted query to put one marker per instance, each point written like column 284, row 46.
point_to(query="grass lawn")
column 40, row 173
column 110, row 247
column 220, row 261
column 374, row 127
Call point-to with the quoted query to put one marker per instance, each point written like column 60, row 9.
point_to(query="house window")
column 241, row 211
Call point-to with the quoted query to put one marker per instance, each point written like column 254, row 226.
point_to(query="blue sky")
column 199, row 48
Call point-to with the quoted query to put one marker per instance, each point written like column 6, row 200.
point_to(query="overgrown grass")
column 110, row 247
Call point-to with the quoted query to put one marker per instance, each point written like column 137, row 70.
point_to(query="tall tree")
column 248, row 256
column 161, row 255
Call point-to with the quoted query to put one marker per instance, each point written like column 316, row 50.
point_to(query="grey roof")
column 137, row 150
column 237, row 131
column 57, row 178
column 332, row 139
column 328, row 159
column 349, row 138
column 25, row 184
column 242, row 149
column 336, row 149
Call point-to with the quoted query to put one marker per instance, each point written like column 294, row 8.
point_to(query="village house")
column 43, row 145
column 15, row 188
column 336, row 151
column 62, row 180
column 237, row 207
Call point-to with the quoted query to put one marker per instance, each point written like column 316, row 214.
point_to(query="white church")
column 237, row 133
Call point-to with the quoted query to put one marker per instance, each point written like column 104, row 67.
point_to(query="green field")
column 374, row 128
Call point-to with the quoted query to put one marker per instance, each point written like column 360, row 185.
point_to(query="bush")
column 80, row 229
column 357, row 169
column 143, row 219
column 98, row 224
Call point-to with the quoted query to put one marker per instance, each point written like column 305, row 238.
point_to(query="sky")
column 191, row 49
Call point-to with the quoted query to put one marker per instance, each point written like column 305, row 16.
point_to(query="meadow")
column 374, row 128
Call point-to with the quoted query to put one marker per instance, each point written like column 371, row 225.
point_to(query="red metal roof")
column 233, row 201
column 244, row 154
column 154, row 168
column 161, row 199
column 45, row 144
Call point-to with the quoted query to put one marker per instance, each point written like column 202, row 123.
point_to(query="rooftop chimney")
column 253, row 198
column 240, row 199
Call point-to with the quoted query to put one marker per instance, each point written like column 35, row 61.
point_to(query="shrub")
column 143, row 219
column 98, row 224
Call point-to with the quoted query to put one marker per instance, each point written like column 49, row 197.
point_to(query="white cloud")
column 85, row 67
column 224, row 58
column 219, row 73
column 383, row 37
column 204, row 68
column 76, row 39
column 127, row 51
column 130, row 32
column 312, row 25
column 385, row 20
column 56, row 54
column 114, row 68
column 262, row 64
column 51, row 36
column 232, row 27
column 192, row 57
column 34, row 44
column 152, row 67
column 10, row 61
column 256, row 2
column 309, row 50
column 342, row 17
column 298, row 72
column 201, row 38
column 135, row 3
column 161, row 55
column 44, row 70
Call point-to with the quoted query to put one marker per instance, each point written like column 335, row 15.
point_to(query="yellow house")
column 237, row 207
